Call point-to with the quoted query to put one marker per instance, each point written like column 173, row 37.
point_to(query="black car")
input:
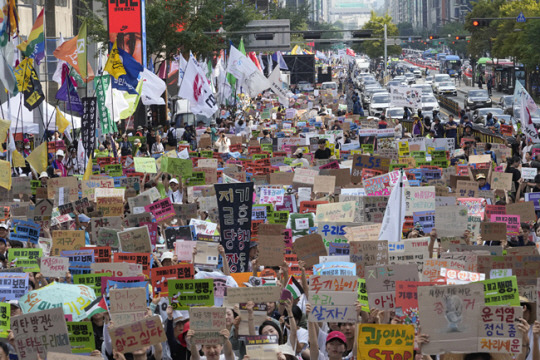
column 476, row 99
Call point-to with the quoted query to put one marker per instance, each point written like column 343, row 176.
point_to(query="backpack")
column 171, row 137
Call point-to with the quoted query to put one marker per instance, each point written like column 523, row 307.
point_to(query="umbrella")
column 73, row 299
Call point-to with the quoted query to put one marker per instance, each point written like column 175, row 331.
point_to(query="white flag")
column 394, row 215
column 247, row 73
column 195, row 88
column 7, row 77
column 527, row 107
column 276, row 86
column 58, row 72
column 152, row 88
column 181, row 69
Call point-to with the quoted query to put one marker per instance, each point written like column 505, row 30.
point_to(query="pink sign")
column 512, row 222
column 162, row 210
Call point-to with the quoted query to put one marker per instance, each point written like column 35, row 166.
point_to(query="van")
column 330, row 85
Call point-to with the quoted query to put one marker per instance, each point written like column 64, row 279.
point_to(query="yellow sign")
column 5, row 174
column 38, row 158
column 18, row 159
column 380, row 340
column 4, row 127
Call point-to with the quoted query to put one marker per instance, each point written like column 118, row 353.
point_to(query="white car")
column 426, row 89
column 439, row 78
column 394, row 113
column 446, row 88
column 417, row 73
column 379, row 103
column 429, row 103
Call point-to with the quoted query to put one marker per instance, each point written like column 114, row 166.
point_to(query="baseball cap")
column 4, row 226
column 480, row 176
column 43, row 174
column 174, row 181
column 336, row 335
column 60, row 153
column 166, row 255
column 83, row 218
column 182, row 315
column 286, row 349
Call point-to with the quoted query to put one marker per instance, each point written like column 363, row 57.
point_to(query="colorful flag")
column 61, row 122
column 247, row 73
column 5, row 174
column 28, row 83
column 68, row 93
column 527, row 106
column 114, row 65
column 196, row 89
column 34, row 47
column 88, row 170
column 18, row 159
column 281, row 61
column 102, row 84
column 294, row 287
column 129, row 81
column 277, row 86
column 38, row 158
column 253, row 58
column 97, row 306
column 69, row 51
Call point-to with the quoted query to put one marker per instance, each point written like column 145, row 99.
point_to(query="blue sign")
column 521, row 18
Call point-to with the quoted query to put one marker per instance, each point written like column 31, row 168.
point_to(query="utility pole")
column 385, row 51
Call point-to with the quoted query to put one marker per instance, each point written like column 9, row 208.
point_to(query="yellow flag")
column 18, row 159
column 38, row 158
column 88, row 170
column 4, row 127
column 114, row 65
column 61, row 122
column 5, row 174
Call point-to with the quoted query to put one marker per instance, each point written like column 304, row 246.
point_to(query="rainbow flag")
column 34, row 47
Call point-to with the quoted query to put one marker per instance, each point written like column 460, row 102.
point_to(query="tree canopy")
column 375, row 49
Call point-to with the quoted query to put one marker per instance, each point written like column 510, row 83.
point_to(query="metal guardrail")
column 449, row 104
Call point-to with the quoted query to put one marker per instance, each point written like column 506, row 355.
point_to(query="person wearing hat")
column 482, row 182
column 322, row 152
column 300, row 161
column 166, row 258
column 335, row 345
column 176, row 328
column 417, row 126
column 223, row 143
column 175, row 191
column 57, row 168
column 15, row 308
column 212, row 352
column 82, row 221
column 44, row 177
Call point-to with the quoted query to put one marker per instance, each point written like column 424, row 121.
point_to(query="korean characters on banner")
column 235, row 201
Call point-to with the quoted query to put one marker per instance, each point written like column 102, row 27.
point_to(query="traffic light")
column 312, row 35
column 481, row 22
column 431, row 37
column 460, row 37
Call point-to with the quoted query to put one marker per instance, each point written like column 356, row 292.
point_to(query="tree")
column 180, row 26
column 322, row 26
column 375, row 49
column 450, row 31
column 480, row 43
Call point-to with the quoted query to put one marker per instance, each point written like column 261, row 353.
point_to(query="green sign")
column 418, row 155
column 196, row 178
column 438, row 155
column 81, row 337
column 5, row 325
column 280, row 217
column 422, row 163
column 501, row 291
column 114, row 170
column 398, row 166
column 34, row 184
column 367, row 148
column 440, row 163
column 363, row 295
column 184, row 294
column 259, row 156
column 267, row 147
column 28, row 259
column 91, row 280
column 207, row 153
column 174, row 166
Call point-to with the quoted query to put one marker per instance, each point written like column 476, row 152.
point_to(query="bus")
column 505, row 73
column 451, row 65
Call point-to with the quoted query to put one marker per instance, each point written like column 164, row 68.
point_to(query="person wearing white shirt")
column 300, row 161
column 175, row 193
column 223, row 143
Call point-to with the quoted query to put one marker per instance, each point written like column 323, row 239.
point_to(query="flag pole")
column 400, row 203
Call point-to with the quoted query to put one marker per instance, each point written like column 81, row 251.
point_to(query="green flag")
column 81, row 51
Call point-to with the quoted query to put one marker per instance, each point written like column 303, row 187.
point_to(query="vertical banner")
column 101, row 84
column 127, row 26
column 88, row 125
column 234, row 203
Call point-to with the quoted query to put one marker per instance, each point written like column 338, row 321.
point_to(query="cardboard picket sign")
column 309, row 248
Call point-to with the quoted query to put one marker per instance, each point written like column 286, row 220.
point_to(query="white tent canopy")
column 25, row 123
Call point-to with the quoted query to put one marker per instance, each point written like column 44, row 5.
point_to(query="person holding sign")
column 212, row 352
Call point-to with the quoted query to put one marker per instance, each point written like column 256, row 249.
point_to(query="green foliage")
column 480, row 43
column 375, row 49
column 449, row 31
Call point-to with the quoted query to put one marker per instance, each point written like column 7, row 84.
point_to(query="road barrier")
column 449, row 104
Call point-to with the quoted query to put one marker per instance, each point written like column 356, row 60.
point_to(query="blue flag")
column 73, row 103
column 129, row 81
